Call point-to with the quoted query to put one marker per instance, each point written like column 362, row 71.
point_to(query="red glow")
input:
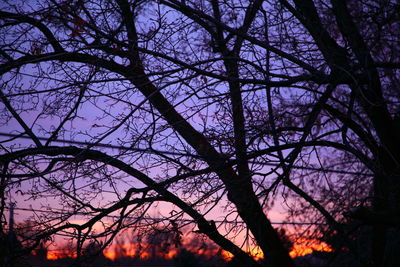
column 300, row 248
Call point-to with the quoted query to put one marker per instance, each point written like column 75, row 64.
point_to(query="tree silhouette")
column 110, row 107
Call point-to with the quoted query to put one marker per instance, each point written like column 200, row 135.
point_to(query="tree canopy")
column 112, row 107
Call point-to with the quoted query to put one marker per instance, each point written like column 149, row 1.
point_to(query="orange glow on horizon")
column 305, row 246
column 130, row 252
column 301, row 247
column 60, row 254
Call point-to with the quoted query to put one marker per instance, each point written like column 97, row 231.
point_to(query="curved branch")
column 36, row 23
column 85, row 154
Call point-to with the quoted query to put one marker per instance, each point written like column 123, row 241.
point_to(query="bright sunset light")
column 301, row 247
column 199, row 133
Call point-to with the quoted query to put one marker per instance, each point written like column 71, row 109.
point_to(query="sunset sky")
column 246, row 126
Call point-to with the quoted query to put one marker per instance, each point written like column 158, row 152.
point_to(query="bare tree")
column 114, row 106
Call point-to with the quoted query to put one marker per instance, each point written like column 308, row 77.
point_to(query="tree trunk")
column 379, row 230
column 240, row 191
